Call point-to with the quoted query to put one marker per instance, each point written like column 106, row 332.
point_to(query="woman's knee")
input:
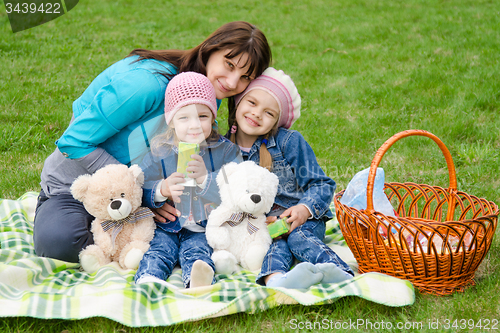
column 61, row 229
column 60, row 245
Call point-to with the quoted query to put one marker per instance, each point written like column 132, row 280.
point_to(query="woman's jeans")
column 168, row 248
column 305, row 243
column 61, row 228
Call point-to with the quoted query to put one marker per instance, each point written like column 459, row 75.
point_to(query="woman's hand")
column 171, row 188
column 166, row 212
column 197, row 169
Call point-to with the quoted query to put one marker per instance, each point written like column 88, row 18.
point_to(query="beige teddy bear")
column 122, row 229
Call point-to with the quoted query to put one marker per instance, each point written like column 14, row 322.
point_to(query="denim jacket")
column 158, row 166
column 302, row 181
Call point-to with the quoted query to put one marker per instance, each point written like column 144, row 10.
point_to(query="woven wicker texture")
column 438, row 239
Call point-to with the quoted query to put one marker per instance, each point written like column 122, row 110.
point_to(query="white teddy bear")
column 237, row 229
column 122, row 229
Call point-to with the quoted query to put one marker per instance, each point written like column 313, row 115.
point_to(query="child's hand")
column 197, row 169
column 270, row 219
column 170, row 187
column 297, row 216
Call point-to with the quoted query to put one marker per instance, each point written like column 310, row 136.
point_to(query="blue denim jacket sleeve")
column 159, row 166
column 153, row 174
column 226, row 152
column 318, row 189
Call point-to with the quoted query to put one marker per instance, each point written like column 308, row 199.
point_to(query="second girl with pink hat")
column 260, row 125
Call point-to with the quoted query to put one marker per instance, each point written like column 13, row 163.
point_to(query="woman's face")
column 228, row 76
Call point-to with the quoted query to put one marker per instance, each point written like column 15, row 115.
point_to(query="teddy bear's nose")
column 255, row 198
column 116, row 204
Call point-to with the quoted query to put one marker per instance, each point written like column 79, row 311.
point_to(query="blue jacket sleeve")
column 124, row 100
column 153, row 174
column 317, row 187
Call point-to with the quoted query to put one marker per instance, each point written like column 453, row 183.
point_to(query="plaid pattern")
column 237, row 218
column 139, row 214
column 115, row 226
column 48, row 288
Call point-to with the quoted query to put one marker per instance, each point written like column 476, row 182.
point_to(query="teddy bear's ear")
column 229, row 168
column 138, row 174
column 225, row 172
column 80, row 187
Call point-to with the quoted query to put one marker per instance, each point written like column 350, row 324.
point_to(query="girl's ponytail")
column 266, row 160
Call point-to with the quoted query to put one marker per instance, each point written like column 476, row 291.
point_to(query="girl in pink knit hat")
column 259, row 123
column 190, row 112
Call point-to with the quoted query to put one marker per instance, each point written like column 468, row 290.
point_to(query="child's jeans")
column 305, row 243
column 168, row 248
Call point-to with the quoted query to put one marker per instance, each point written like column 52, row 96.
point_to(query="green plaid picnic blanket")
column 48, row 288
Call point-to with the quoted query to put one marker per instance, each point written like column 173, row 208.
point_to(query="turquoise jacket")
column 113, row 122
column 120, row 111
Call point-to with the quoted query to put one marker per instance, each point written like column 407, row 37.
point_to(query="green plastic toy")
column 278, row 227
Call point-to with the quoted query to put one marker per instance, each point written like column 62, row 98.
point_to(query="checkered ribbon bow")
column 237, row 218
column 115, row 226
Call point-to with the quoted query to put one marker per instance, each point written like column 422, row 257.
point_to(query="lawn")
column 365, row 69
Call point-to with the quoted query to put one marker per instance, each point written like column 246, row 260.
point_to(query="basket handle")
column 383, row 149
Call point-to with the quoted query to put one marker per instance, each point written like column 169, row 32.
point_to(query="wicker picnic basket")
column 437, row 239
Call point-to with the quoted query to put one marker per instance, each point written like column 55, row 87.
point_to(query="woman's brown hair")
column 238, row 37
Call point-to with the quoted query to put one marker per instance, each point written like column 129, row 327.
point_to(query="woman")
column 118, row 113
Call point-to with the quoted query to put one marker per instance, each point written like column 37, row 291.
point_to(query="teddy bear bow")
column 237, row 218
column 115, row 226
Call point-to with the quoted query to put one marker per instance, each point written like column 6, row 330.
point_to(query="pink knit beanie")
column 282, row 88
column 189, row 88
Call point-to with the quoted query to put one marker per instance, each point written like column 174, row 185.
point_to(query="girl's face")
column 257, row 114
column 193, row 123
column 228, row 76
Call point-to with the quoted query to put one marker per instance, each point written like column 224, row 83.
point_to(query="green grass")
column 365, row 69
